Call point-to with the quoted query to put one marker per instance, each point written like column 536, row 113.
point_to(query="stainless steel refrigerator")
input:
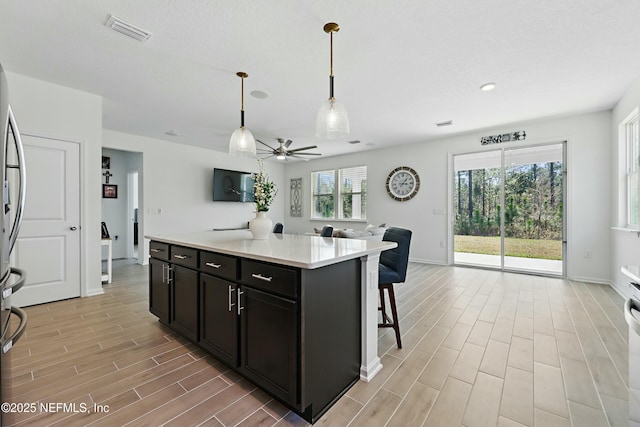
column 11, row 278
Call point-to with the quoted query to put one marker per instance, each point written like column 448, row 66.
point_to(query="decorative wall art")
column 106, row 162
column 505, row 137
column 109, row 191
column 296, row 197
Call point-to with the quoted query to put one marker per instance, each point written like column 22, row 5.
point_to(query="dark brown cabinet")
column 185, row 301
column 269, row 342
column 293, row 332
column 159, row 289
column 219, row 318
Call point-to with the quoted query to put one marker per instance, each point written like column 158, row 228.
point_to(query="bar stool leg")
column 386, row 322
column 394, row 314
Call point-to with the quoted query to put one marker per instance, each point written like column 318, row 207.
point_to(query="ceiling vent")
column 118, row 25
column 447, row 123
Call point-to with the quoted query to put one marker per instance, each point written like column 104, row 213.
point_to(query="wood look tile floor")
column 481, row 348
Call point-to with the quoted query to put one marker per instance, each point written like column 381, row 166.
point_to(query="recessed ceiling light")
column 259, row 94
column 488, row 86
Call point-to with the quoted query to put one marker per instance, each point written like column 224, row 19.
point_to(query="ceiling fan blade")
column 303, row 148
column 267, row 145
column 306, row 154
column 288, row 143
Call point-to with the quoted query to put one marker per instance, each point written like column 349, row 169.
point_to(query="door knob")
column 73, row 228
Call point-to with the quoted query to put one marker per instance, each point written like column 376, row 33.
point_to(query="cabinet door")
column 159, row 290
column 219, row 318
column 185, row 301
column 269, row 342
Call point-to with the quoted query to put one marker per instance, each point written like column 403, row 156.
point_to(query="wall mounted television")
column 232, row 186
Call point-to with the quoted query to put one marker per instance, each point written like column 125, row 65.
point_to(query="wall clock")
column 403, row 183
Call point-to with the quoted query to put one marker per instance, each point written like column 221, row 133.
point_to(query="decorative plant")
column 264, row 190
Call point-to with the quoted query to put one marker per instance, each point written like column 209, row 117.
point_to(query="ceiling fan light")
column 332, row 121
column 281, row 156
column 242, row 143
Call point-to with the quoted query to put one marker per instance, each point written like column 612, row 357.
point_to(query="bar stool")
column 393, row 269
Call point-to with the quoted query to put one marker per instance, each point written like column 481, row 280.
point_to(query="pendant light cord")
column 331, row 65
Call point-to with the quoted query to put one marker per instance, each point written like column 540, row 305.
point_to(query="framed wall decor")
column 296, row 197
column 109, row 191
column 106, row 162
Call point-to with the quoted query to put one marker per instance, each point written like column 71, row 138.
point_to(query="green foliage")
column 533, row 195
column 264, row 190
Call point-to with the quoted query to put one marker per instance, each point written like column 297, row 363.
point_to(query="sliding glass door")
column 509, row 209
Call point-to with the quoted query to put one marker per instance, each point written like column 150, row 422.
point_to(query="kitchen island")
column 296, row 314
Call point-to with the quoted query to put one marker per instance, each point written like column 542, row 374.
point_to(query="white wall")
column 589, row 184
column 47, row 109
column 178, row 181
column 625, row 248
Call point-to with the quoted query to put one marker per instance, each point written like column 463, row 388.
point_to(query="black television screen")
column 232, row 186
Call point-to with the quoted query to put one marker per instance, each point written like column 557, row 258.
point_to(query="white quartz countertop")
column 294, row 250
column 632, row 272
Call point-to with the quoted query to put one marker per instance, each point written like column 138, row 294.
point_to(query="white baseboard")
column 427, row 261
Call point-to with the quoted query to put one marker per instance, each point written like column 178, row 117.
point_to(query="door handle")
column 17, row 222
column 6, row 345
column 73, row 228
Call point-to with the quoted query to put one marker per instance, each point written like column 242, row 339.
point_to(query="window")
column 339, row 193
column 631, row 134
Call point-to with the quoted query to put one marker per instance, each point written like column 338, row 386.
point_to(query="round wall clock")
column 403, row 183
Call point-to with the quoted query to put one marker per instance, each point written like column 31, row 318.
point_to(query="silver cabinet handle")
column 155, row 251
column 240, row 307
column 210, row 264
column 230, row 292
column 169, row 278
column 164, row 274
column 261, row 277
column 181, row 256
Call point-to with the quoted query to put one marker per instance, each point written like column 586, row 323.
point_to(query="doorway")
column 509, row 206
column 132, row 210
column 122, row 212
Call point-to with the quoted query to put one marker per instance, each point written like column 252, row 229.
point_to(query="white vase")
column 260, row 226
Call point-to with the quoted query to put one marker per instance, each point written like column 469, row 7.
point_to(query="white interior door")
column 48, row 246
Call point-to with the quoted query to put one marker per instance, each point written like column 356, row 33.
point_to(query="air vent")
column 355, row 141
column 447, row 123
column 118, row 25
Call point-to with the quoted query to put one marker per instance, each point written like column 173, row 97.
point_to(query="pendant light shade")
column 242, row 142
column 332, row 121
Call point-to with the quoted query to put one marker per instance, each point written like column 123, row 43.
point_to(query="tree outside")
column 533, row 211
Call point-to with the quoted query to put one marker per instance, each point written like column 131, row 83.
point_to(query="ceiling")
column 400, row 66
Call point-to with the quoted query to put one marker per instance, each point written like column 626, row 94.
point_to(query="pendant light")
column 242, row 142
column 332, row 121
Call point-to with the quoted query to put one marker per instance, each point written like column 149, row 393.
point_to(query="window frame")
column 629, row 149
column 337, row 194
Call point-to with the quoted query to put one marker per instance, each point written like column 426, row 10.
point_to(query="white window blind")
column 632, row 137
column 340, row 193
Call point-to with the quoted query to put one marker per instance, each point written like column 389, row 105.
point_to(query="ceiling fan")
column 282, row 152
